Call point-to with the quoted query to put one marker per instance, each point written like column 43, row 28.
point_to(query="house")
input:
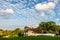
column 34, row 32
column 31, row 31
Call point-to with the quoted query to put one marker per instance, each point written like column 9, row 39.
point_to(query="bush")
column 20, row 34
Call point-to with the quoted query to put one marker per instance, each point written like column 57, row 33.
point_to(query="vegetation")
column 32, row 38
column 49, row 27
column 44, row 27
column 11, row 33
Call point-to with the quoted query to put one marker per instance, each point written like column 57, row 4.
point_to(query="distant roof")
column 32, row 29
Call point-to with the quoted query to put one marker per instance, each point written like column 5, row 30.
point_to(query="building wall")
column 30, row 33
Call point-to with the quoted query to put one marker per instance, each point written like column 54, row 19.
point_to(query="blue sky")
column 20, row 13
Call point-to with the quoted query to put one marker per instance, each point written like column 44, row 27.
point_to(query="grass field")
column 32, row 38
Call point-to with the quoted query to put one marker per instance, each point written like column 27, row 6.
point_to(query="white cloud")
column 45, row 6
column 42, row 14
column 9, row 11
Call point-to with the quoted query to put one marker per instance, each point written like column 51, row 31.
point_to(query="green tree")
column 42, row 27
column 26, row 27
column 39, row 30
column 51, row 26
column 58, row 29
column 19, row 32
column 48, row 26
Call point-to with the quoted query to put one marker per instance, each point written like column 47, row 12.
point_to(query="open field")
column 32, row 38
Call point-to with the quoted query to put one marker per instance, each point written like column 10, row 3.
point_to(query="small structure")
column 31, row 32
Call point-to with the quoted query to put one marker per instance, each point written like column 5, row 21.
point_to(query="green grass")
column 32, row 38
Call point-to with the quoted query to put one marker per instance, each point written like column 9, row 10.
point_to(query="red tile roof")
column 32, row 29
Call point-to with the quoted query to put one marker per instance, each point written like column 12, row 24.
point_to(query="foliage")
column 11, row 33
column 44, row 27
column 26, row 27
column 49, row 27
column 32, row 38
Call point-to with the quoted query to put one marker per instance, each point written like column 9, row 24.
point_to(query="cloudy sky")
column 20, row 13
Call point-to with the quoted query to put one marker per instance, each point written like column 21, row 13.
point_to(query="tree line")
column 44, row 27
column 11, row 33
